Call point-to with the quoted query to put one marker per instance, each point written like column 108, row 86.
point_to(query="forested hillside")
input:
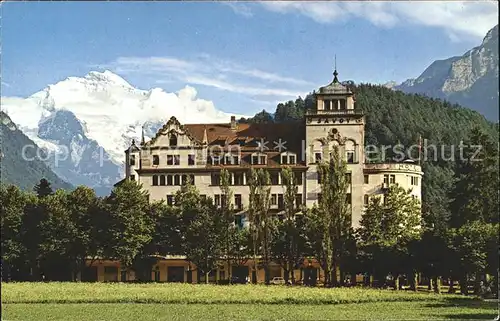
column 19, row 171
column 394, row 117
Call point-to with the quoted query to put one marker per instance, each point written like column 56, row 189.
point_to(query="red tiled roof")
column 247, row 135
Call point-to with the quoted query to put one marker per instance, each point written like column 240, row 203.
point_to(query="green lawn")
column 119, row 301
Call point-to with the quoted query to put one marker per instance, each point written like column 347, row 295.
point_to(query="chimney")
column 233, row 122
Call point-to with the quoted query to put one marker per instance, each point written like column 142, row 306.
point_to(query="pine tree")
column 43, row 188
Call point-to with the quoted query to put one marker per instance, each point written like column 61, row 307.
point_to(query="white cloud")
column 457, row 18
column 239, row 8
column 213, row 72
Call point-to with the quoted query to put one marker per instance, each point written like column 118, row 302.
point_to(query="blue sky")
column 243, row 56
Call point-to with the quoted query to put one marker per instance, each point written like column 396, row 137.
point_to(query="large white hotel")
column 200, row 151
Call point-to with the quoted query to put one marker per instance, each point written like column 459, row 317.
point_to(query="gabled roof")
column 183, row 128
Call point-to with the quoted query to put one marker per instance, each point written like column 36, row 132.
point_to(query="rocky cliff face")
column 470, row 80
column 77, row 159
column 22, row 162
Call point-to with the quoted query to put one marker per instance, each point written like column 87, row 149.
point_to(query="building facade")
column 200, row 151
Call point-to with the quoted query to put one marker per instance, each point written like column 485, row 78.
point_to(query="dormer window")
column 318, row 156
column 288, row 158
column 231, row 159
column 259, row 159
column 173, row 140
column 132, row 160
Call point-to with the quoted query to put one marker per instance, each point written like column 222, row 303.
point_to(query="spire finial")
column 335, row 73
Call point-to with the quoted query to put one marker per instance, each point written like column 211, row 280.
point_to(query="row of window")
column 257, row 159
column 172, row 180
column 391, row 179
column 350, row 157
column 275, row 200
column 170, row 160
column 219, row 199
column 238, row 179
column 388, row 179
column 334, row 104
column 278, row 200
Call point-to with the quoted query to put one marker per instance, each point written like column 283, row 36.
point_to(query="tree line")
column 59, row 234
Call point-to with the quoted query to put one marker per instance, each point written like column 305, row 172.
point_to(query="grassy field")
column 119, row 301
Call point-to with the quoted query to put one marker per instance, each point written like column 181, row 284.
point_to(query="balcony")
column 312, row 112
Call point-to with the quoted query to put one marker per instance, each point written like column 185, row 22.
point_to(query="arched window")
column 169, row 180
column 173, row 140
column 162, row 180
column 350, row 152
column 155, row 180
column 177, row 180
column 317, row 151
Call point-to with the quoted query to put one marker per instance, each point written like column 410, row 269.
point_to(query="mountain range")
column 470, row 80
column 85, row 124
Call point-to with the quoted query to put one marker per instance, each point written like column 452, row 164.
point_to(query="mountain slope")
column 470, row 80
column 24, row 172
column 78, row 159
column 88, row 122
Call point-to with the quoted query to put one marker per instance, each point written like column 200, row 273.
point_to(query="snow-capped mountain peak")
column 107, row 77
column 105, row 112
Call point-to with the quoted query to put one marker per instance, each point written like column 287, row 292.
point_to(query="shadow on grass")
column 489, row 309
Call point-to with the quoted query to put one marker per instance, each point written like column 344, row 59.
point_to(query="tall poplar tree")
column 260, row 193
column 334, row 206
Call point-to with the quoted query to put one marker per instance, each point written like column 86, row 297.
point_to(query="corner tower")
column 334, row 120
